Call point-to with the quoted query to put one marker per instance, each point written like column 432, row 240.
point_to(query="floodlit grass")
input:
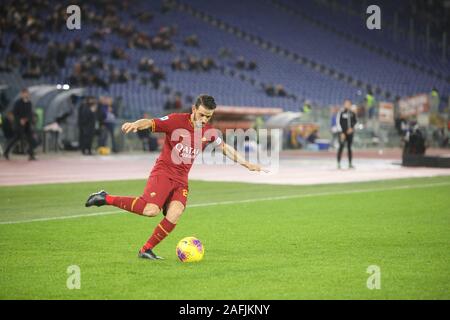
column 315, row 243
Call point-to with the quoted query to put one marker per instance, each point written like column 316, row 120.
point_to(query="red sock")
column 161, row 231
column 132, row 204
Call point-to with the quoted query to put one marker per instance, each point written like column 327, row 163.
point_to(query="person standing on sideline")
column 110, row 124
column 345, row 121
column 86, row 123
column 23, row 118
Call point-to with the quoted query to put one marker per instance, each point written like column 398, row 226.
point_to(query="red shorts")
column 161, row 190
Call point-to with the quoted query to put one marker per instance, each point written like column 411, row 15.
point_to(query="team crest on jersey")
column 185, row 192
column 164, row 118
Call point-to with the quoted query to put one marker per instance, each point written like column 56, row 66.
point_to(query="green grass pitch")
column 307, row 242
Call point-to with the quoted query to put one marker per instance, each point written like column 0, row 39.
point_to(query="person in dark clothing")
column 86, row 123
column 110, row 123
column 174, row 102
column 61, row 55
column 252, row 65
column 414, row 141
column 23, row 123
column 240, row 63
column 156, row 78
column 345, row 122
column 4, row 101
column 8, row 125
column 102, row 110
column 269, row 89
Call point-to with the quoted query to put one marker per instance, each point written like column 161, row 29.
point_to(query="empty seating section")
column 267, row 21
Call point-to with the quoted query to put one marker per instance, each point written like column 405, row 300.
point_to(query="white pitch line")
column 207, row 204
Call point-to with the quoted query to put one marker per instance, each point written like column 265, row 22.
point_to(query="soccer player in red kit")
column 167, row 186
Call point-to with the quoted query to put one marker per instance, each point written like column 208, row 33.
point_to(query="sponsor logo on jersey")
column 186, row 151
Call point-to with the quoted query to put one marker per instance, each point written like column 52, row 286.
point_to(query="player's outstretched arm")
column 141, row 124
column 231, row 153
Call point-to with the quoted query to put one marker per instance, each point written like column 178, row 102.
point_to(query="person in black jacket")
column 345, row 122
column 87, row 117
column 23, row 126
column 8, row 125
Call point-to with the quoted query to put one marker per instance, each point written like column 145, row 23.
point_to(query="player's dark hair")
column 206, row 101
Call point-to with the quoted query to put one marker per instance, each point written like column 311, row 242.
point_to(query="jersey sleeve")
column 164, row 124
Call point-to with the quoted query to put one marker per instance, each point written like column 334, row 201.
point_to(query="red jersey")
column 181, row 146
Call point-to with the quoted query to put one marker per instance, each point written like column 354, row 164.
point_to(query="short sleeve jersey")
column 182, row 145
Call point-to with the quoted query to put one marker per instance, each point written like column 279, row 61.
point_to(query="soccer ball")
column 190, row 249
